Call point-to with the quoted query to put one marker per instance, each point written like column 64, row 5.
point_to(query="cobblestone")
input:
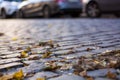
column 81, row 36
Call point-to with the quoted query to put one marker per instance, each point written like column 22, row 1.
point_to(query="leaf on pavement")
column 24, row 54
column 14, row 39
column 1, row 74
column 18, row 75
column 47, row 54
column 111, row 75
column 89, row 78
column 83, row 73
column 40, row 79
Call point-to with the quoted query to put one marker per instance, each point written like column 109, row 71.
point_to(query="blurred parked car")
column 30, row 8
column 8, row 7
column 72, row 7
column 94, row 8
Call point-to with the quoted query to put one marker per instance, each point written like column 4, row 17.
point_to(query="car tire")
column 117, row 14
column 20, row 14
column 93, row 10
column 3, row 14
column 46, row 12
column 75, row 15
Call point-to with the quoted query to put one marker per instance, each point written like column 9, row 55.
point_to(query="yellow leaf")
column 24, row 54
column 18, row 75
column 40, row 79
column 46, row 55
column 97, row 62
column 50, row 41
column 14, row 38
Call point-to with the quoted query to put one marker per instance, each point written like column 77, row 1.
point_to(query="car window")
column 8, row 0
column 17, row 0
column 14, row 0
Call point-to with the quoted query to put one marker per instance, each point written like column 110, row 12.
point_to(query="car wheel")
column 75, row 15
column 3, row 14
column 93, row 10
column 46, row 12
column 19, row 14
column 117, row 14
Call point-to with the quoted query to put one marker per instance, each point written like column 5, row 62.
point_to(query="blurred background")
column 59, row 8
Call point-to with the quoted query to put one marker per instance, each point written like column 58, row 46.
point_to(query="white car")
column 8, row 7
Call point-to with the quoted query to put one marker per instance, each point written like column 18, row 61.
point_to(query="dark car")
column 72, row 7
column 94, row 8
column 30, row 8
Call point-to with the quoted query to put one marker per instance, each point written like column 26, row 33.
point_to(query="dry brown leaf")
column 34, row 58
column 1, row 74
column 111, row 75
column 19, row 48
column 76, row 72
column 83, row 73
column 89, row 78
column 97, row 62
column 88, row 49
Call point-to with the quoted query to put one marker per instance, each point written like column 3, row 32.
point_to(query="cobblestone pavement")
column 82, row 36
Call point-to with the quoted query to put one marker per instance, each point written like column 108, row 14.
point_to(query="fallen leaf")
column 42, row 43
column 88, row 49
column 19, row 48
column 51, row 67
column 40, row 79
column 97, row 62
column 24, row 54
column 28, row 49
column 1, row 74
column 18, row 75
column 34, row 58
column 83, row 73
column 57, row 45
column 47, row 54
column 14, row 39
column 89, row 78
column 76, row 72
column 111, row 75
